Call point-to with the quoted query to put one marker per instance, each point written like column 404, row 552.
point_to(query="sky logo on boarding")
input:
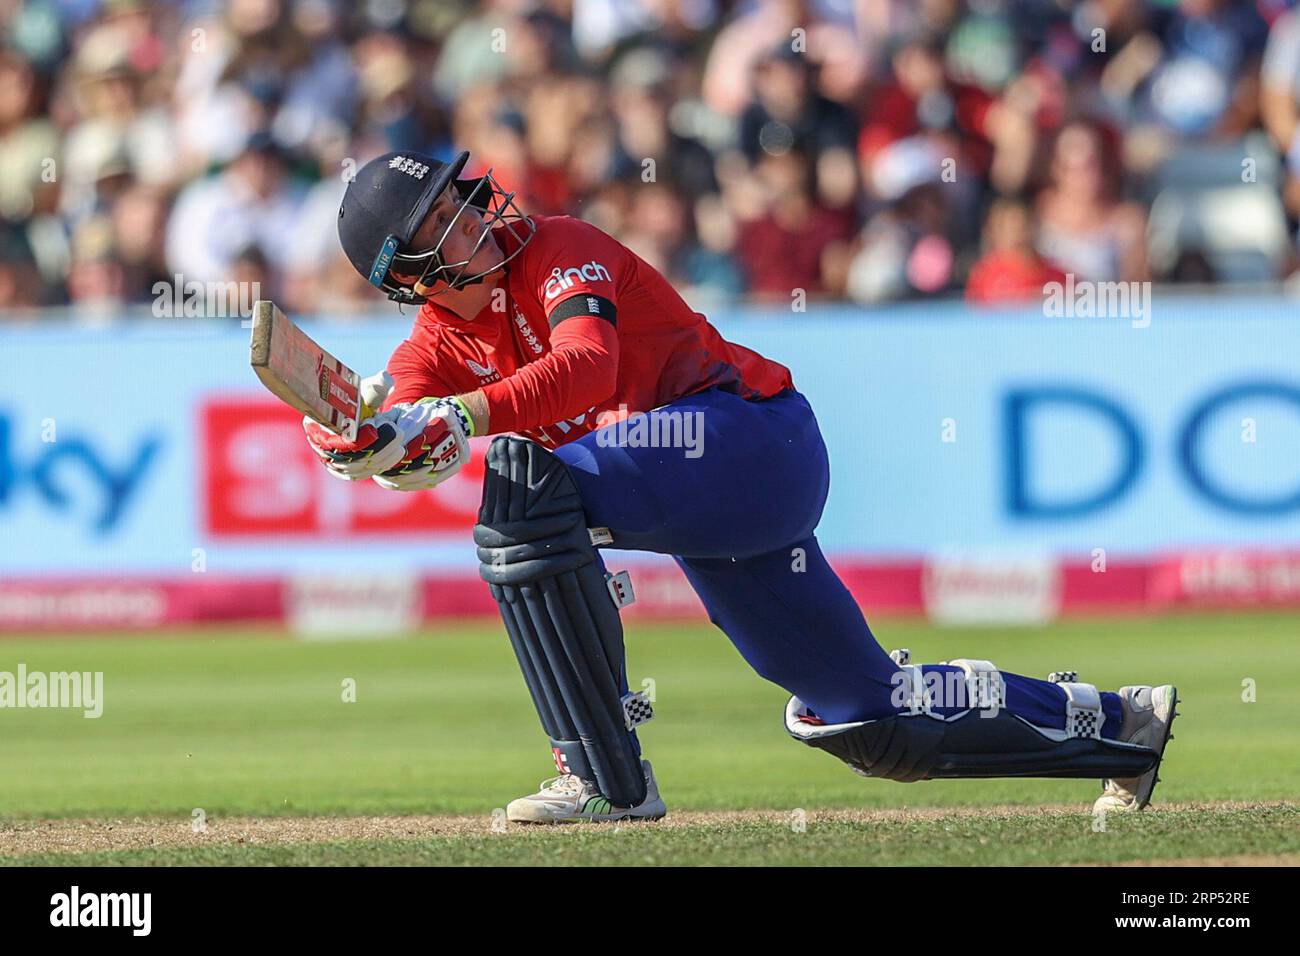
column 83, row 476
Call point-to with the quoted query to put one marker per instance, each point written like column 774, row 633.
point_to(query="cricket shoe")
column 1149, row 714
column 569, row 798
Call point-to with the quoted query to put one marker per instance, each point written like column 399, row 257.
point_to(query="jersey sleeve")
column 414, row 377
column 574, row 258
column 575, row 273
column 579, row 372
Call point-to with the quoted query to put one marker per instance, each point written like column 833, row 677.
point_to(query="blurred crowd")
column 770, row 150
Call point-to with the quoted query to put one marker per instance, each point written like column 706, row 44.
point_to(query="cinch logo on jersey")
column 103, row 909
column 562, row 279
column 409, row 166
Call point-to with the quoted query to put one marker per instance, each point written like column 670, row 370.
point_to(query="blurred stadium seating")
column 745, row 148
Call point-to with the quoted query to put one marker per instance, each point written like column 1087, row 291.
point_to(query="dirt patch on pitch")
column 1241, row 859
column 88, row 836
column 38, row 838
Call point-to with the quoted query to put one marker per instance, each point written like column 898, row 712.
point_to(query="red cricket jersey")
column 555, row 385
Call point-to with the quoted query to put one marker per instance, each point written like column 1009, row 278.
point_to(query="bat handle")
column 374, row 389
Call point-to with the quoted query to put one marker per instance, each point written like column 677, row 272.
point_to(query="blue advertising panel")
column 1009, row 432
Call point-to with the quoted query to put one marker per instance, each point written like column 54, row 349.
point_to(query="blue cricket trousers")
column 739, row 519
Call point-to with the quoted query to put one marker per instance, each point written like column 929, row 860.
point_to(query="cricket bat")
column 309, row 379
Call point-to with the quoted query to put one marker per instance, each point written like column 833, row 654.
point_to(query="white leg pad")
column 985, row 688
column 1083, row 713
column 917, row 700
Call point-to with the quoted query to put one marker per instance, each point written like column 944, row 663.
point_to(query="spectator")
column 788, row 112
column 252, row 202
column 907, row 249
column 1011, row 270
column 918, row 97
column 782, row 250
column 29, row 145
column 1280, row 100
column 139, row 218
column 96, row 280
column 824, row 31
column 1202, row 84
column 120, row 121
column 1085, row 227
column 642, row 100
column 19, row 283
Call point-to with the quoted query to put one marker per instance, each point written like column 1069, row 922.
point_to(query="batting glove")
column 421, row 479
column 376, row 449
column 400, row 441
column 439, row 449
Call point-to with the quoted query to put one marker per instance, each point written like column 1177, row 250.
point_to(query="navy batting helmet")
column 389, row 198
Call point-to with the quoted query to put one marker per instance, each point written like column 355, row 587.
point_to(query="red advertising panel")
column 259, row 478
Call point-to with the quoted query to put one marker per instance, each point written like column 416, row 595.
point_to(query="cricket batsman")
column 552, row 335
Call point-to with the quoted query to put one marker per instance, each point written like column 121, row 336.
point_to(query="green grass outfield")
column 255, row 726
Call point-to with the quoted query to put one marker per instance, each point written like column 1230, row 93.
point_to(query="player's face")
column 457, row 246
